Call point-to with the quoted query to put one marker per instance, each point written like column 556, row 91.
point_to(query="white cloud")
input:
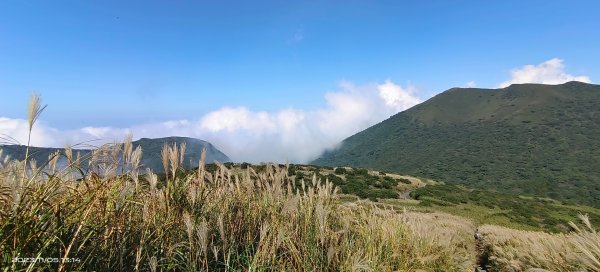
column 240, row 118
column 397, row 97
column 471, row 84
column 18, row 129
column 548, row 72
column 97, row 132
column 298, row 135
column 289, row 134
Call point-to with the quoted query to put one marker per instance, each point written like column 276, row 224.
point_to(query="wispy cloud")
column 289, row 134
column 471, row 84
column 548, row 72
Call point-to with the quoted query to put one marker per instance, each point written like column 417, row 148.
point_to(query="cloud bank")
column 290, row 134
column 548, row 72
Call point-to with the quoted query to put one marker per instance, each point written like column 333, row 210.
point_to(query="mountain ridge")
column 526, row 139
column 151, row 148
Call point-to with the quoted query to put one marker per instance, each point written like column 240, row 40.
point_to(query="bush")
column 361, row 172
column 405, row 181
column 340, row 170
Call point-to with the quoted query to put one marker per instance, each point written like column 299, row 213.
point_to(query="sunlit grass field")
column 208, row 221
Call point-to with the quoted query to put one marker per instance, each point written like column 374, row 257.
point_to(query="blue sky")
column 122, row 64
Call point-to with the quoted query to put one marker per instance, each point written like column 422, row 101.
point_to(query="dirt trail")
column 482, row 253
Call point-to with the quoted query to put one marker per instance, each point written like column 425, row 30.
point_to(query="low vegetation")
column 359, row 182
column 487, row 207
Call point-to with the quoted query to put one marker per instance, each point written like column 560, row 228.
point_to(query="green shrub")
column 340, row 170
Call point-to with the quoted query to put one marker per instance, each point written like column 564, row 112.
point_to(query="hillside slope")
column 152, row 148
column 526, row 139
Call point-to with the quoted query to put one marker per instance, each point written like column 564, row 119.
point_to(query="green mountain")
column 151, row 149
column 527, row 139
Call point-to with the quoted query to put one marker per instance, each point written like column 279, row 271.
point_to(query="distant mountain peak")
column 150, row 156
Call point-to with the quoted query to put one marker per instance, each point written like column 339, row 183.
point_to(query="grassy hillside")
column 216, row 218
column 421, row 195
column 487, row 207
column 524, row 139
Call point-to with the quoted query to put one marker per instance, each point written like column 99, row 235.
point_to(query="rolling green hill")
column 530, row 139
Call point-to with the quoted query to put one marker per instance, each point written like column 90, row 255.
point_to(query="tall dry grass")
column 451, row 235
column 202, row 221
column 517, row 250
